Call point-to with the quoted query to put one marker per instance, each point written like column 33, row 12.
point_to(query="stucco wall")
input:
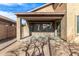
column 72, row 11
column 7, row 31
column 25, row 31
column 60, row 8
column 11, row 31
column 46, row 9
column 64, row 27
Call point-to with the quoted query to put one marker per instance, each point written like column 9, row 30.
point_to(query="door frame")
column 57, row 28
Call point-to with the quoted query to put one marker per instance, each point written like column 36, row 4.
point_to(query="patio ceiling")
column 41, row 16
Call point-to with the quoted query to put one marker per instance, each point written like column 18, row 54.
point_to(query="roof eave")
column 7, row 19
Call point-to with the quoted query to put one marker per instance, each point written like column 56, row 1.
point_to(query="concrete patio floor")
column 6, row 42
column 10, row 47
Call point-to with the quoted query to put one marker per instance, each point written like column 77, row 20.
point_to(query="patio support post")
column 19, row 28
column 28, row 28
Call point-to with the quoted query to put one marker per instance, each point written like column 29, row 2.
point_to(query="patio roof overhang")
column 41, row 16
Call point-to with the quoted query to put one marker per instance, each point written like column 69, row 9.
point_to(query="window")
column 77, row 24
column 36, row 27
column 46, row 27
column 41, row 27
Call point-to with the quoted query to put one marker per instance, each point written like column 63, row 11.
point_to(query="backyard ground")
column 42, row 47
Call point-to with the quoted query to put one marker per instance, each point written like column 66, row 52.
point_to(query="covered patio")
column 39, row 17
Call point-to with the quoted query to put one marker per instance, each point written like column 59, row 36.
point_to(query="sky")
column 9, row 9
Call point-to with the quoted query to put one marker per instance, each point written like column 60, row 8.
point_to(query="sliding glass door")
column 58, row 28
column 41, row 27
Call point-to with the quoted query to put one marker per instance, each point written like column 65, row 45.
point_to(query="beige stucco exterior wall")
column 46, row 9
column 61, row 8
column 64, row 27
column 25, row 31
column 72, row 11
column 2, row 32
column 7, row 31
column 11, row 31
